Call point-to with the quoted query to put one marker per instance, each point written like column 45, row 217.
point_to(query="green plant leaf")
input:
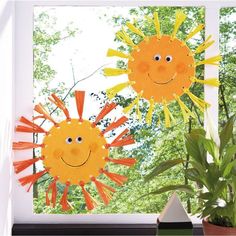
column 211, row 147
column 206, row 196
column 212, row 176
column 166, row 165
column 194, row 147
column 193, row 174
column 228, row 168
column 229, row 154
column 226, row 211
column 207, row 211
column 201, row 132
column 220, row 186
column 234, row 183
column 198, row 166
column 226, row 133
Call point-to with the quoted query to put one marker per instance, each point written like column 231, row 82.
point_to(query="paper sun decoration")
column 161, row 68
column 74, row 152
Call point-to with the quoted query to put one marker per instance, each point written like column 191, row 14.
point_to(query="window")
column 73, row 68
column 68, row 47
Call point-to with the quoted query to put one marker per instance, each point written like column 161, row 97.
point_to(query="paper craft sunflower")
column 74, row 152
column 161, row 68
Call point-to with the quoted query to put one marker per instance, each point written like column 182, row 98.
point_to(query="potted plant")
column 215, row 177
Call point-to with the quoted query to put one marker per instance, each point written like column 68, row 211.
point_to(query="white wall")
column 6, row 114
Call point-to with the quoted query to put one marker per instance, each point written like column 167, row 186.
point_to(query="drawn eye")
column 169, row 58
column 157, row 57
column 79, row 140
column 69, row 140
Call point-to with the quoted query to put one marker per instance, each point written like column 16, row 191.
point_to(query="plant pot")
column 210, row 229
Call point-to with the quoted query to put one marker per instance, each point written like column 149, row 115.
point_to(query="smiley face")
column 161, row 68
column 74, row 151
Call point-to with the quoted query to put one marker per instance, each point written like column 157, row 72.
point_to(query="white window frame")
column 23, row 203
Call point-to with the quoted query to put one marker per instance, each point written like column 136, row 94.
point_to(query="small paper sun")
column 74, row 152
column 161, row 68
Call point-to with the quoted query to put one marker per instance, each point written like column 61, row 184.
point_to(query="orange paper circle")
column 161, row 68
column 74, row 151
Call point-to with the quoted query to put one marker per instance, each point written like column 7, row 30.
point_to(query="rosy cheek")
column 58, row 153
column 93, row 147
column 143, row 67
column 181, row 68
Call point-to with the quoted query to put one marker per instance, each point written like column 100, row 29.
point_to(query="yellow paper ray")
column 157, row 24
column 115, row 71
column 135, row 29
column 186, row 112
column 194, row 32
column 180, row 17
column 211, row 81
column 210, row 61
column 206, row 44
column 123, row 36
column 111, row 92
column 168, row 116
column 114, row 53
column 133, row 103
column 201, row 104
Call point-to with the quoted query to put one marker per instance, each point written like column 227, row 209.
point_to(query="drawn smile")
column 79, row 164
column 161, row 83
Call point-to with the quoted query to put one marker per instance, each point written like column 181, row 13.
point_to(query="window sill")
column 90, row 229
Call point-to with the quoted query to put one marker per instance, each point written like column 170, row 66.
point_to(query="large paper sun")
column 161, row 68
column 74, row 152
